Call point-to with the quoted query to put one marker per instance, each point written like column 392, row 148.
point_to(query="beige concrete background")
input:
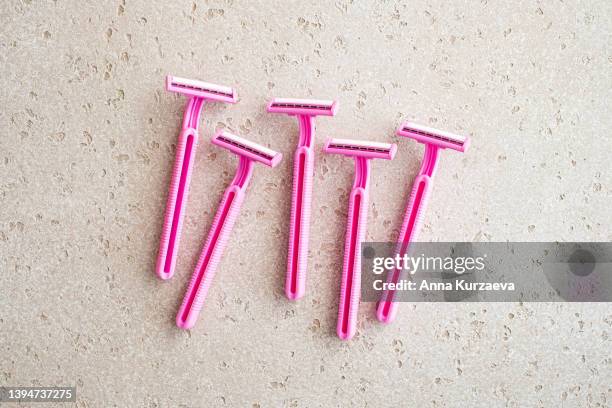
column 87, row 137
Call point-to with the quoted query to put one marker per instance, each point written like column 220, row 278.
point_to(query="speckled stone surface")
column 87, row 137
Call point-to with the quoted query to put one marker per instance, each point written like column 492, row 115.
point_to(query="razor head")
column 306, row 107
column 200, row 89
column 433, row 136
column 243, row 147
column 361, row 148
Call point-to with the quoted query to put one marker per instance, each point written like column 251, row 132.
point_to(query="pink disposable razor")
column 248, row 152
column 434, row 140
column 350, row 290
column 305, row 110
column 198, row 93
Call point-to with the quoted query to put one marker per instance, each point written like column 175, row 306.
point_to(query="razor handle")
column 175, row 205
column 350, row 290
column 413, row 220
column 211, row 255
column 295, row 283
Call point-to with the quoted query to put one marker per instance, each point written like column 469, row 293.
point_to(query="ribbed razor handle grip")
column 175, row 205
column 386, row 310
column 209, row 258
column 350, row 290
column 295, row 284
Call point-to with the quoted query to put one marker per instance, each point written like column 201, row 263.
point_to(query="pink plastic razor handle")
column 198, row 93
column 301, row 197
column 350, row 289
column 223, row 223
column 434, row 140
column 386, row 310
column 211, row 255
